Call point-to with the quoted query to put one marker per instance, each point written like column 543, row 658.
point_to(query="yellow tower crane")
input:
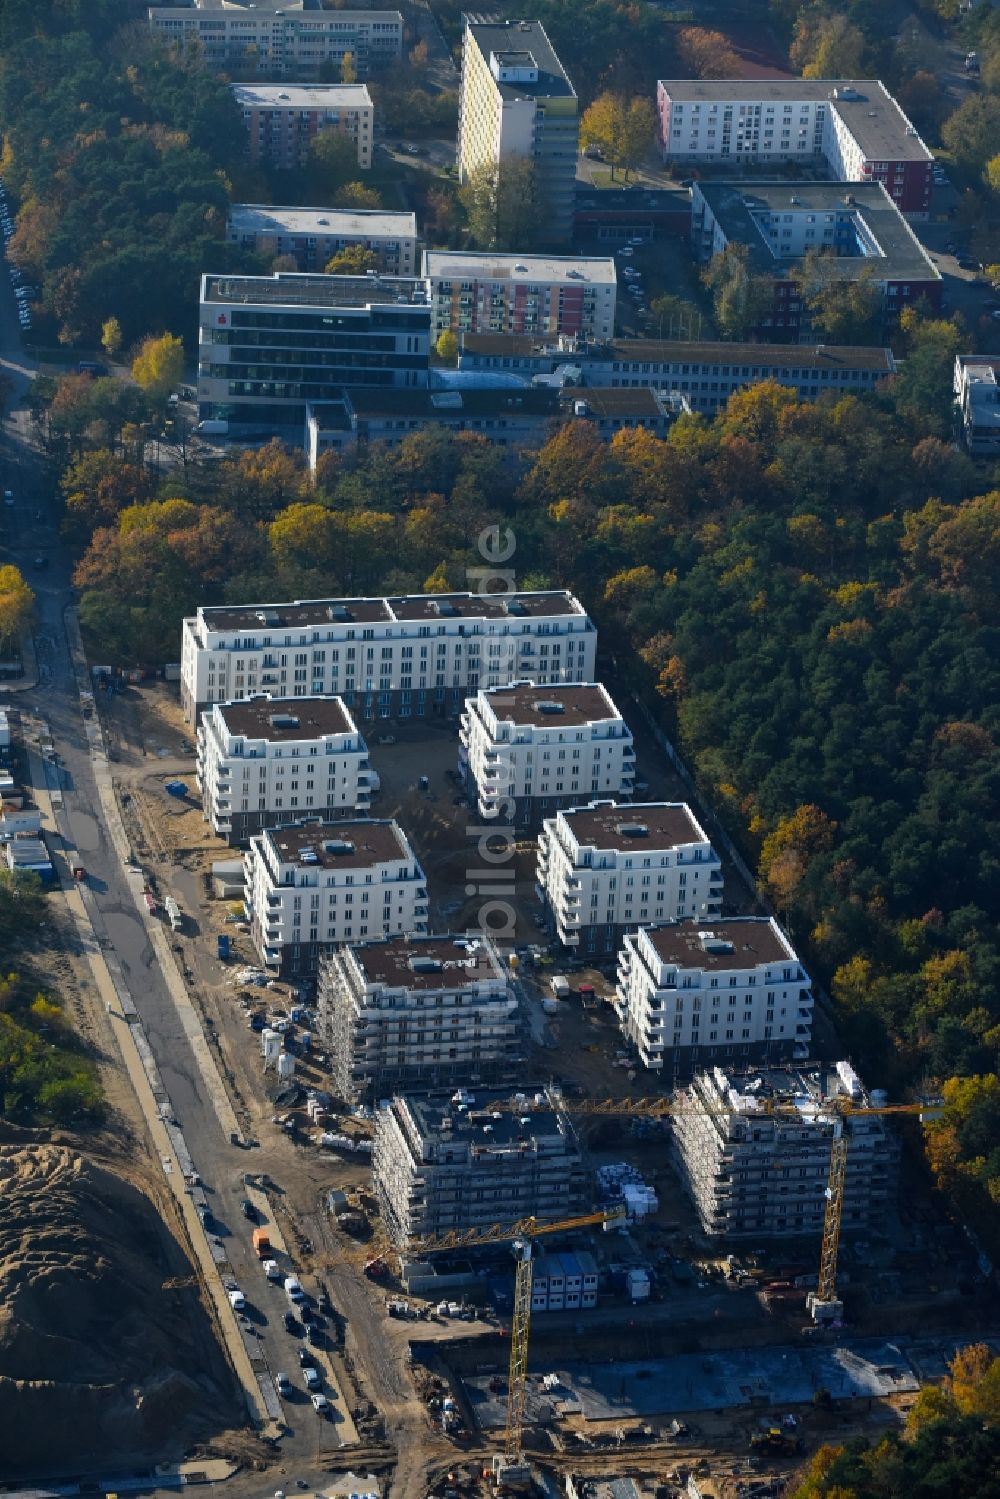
column 823, row 1304
column 510, row 1468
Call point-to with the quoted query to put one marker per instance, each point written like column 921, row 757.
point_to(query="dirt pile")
column 97, row 1360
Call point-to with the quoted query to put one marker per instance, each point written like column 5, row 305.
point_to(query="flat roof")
column 552, row 706
column 427, row 963
column 490, row 1111
column 358, row 843
column 296, row 614
column 266, row 218
column 523, row 36
column 612, row 826
column 302, row 95
column 281, row 719
column 814, row 1082
column 307, row 289
column 613, row 400
column 750, row 940
column 481, row 265
column 872, row 115
column 454, row 404
column 900, row 255
column 665, row 351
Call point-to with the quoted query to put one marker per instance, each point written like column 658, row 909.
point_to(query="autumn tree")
column 352, row 260
column 98, row 486
column 502, row 204
column 357, row 195
column 17, row 603
column 159, row 365
column 111, row 337
column 707, row 54
column 788, row 850
column 446, row 347
column 827, row 46
column 621, row 128
column 348, row 68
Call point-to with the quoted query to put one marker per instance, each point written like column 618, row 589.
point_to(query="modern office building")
column 856, row 128
column 283, row 119
column 546, row 295
column 418, row 1012
column 400, row 657
column 729, row 991
column 516, row 101
column 857, row 225
column 703, row 374
column 315, row 235
column 447, row 1164
column 282, row 38
column 265, row 760
column 268, row 346
column 313, row 886
column 604, row 870
column 752, row 1149
column 518, row 419
column 977, row 402
column 527, row 749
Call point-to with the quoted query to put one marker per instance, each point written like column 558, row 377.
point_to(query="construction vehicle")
column 510, row 1469
column 262, row 1243
column 775, row 1441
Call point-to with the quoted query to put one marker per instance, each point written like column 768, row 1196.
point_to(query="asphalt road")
column 29, row 529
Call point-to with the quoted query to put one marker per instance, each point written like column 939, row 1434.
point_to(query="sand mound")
column 96, row 1359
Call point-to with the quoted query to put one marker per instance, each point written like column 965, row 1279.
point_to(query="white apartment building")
column 856, row 128
column 976, row 384
column 604, row 870
column 264, row 760
column 418, row 1012
column 312, row 886
column 526, row 750
column 283, row 119
column 482, row 292
column 400, row 657
column 315, row 235
column 281, row 38
column 752, row 1149
column 692, row 994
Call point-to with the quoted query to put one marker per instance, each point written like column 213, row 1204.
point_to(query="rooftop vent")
column 520, row 267
column 633, row 830
column 711, row 942
column 269, row 616
column 445, row 608
column 548, row 705
column 308, row 856
column 514, row 606
column 339, row 612
column 426, row 965
column 283, row 721
column 338, row 846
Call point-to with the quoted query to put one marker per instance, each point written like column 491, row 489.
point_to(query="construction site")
column 484, row 1325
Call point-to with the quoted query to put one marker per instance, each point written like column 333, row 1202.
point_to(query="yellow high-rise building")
column 517, row 101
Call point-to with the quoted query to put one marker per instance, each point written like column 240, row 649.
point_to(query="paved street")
column 29, row 532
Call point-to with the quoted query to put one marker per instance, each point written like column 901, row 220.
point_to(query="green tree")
column 159, row 365
column 333, row 158
column 741, row 299
column 502, row 204
column 844, row 309
column 827, row 46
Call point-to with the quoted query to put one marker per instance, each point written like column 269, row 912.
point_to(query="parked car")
column 306, row 1360
column 282, row 1384
column 320, row 1403
column 248, row 1210
column 291, row 1322
column 311, row 1376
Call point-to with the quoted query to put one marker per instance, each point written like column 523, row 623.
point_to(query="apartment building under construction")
column 753, row 1150
column 449, row 1163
